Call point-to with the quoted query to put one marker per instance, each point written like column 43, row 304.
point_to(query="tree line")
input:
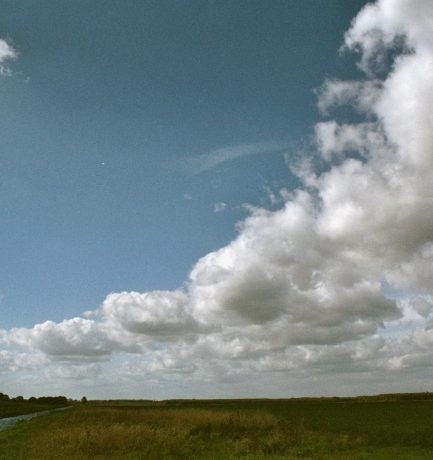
column 32, row 399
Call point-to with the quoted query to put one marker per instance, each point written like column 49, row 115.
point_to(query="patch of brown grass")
column 92, row 433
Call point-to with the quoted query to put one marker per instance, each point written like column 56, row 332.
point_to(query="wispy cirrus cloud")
column 207, row 161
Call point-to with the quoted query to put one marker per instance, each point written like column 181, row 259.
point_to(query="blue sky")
column 216, row 199
column 108, row 99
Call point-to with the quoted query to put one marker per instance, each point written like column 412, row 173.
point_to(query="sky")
column 216, row 198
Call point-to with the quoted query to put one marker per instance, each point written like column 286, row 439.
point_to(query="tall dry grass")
column 103, row 433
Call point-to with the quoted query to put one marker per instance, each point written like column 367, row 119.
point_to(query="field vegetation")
column 331, row 428
column 11, row 407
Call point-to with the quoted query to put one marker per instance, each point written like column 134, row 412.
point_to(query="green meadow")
column 329, row 428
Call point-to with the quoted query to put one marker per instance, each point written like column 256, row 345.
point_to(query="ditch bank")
column 9, row 421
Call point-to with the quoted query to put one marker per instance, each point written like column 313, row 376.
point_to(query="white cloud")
column 362, row 95
column 158, row 313
column 7, row 53
column 75, row 338
column 302, row 288
column 219, row 207
column 13, row 362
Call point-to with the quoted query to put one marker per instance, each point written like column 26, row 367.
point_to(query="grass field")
column 230, row 429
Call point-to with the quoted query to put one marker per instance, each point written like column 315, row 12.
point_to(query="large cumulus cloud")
column 336, row 281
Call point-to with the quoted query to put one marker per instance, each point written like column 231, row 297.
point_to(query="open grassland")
column 233, row 429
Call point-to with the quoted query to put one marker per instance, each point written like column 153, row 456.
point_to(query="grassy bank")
column 13, row 408
column 248, row 429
